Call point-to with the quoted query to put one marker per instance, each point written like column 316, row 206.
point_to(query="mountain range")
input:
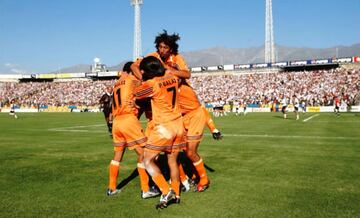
column 221, row 56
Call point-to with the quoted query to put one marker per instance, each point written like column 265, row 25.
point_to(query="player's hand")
column 217, row 134
column 171, row 66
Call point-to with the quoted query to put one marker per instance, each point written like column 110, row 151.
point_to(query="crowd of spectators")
column 39, row 94
column 316, row 88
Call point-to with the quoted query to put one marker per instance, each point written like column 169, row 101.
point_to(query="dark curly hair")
column 169, row 40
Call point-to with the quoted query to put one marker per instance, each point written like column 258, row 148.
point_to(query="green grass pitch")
column 56, row 165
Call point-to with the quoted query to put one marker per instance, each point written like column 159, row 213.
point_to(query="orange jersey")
column 164, row 97
column 187, row 98
column 175, row 61
column 124, row 93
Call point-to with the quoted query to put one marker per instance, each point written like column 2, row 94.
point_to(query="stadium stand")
column 50, row 94
column 316, row 88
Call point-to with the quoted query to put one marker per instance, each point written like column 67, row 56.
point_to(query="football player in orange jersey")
column 168, row 131
column 127, row 131
column 167, row 53
column 194, row 117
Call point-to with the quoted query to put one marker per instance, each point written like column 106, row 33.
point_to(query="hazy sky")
column 38, row 36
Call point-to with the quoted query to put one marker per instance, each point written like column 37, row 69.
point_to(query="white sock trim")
column 141, row 165
column 115, row 163
column 199, row 162
column 215, row 131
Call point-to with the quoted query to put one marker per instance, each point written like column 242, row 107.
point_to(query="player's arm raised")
column 179, row 73
column 179, row 68
column 135, row 67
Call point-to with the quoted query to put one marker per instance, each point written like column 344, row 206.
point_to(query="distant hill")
column 74, row 69
column 117, row 67
column 221, row 55
column 87, row 68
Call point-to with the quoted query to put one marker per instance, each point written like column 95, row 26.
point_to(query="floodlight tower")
column 269, row 34
column 137, row 28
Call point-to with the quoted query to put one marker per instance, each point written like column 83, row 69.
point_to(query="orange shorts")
column 167, row 137
column 127, row 132
column 194, row 123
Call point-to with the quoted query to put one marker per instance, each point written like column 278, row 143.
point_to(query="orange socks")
column 113, row 174
column 200, row 168
column 209, row 121
column 183, row 176
column 144, row 178
column 175, row 185
column 161, row 183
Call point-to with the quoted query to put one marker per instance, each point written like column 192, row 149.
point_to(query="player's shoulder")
column 150, row 82
column 170, row 75
column 132, row 78
column 125, row 78
column 147, row 85
column 178, row 55
column 155, row 54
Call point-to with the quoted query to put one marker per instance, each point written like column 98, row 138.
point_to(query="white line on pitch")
column 309, row 118
column 288, row 136
column 73, row 127
column 233, row 135
column 75, row 130
column 336, row 121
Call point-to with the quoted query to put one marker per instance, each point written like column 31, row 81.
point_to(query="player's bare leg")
column 174, row 173
column 158, row 178
column 146, row 191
